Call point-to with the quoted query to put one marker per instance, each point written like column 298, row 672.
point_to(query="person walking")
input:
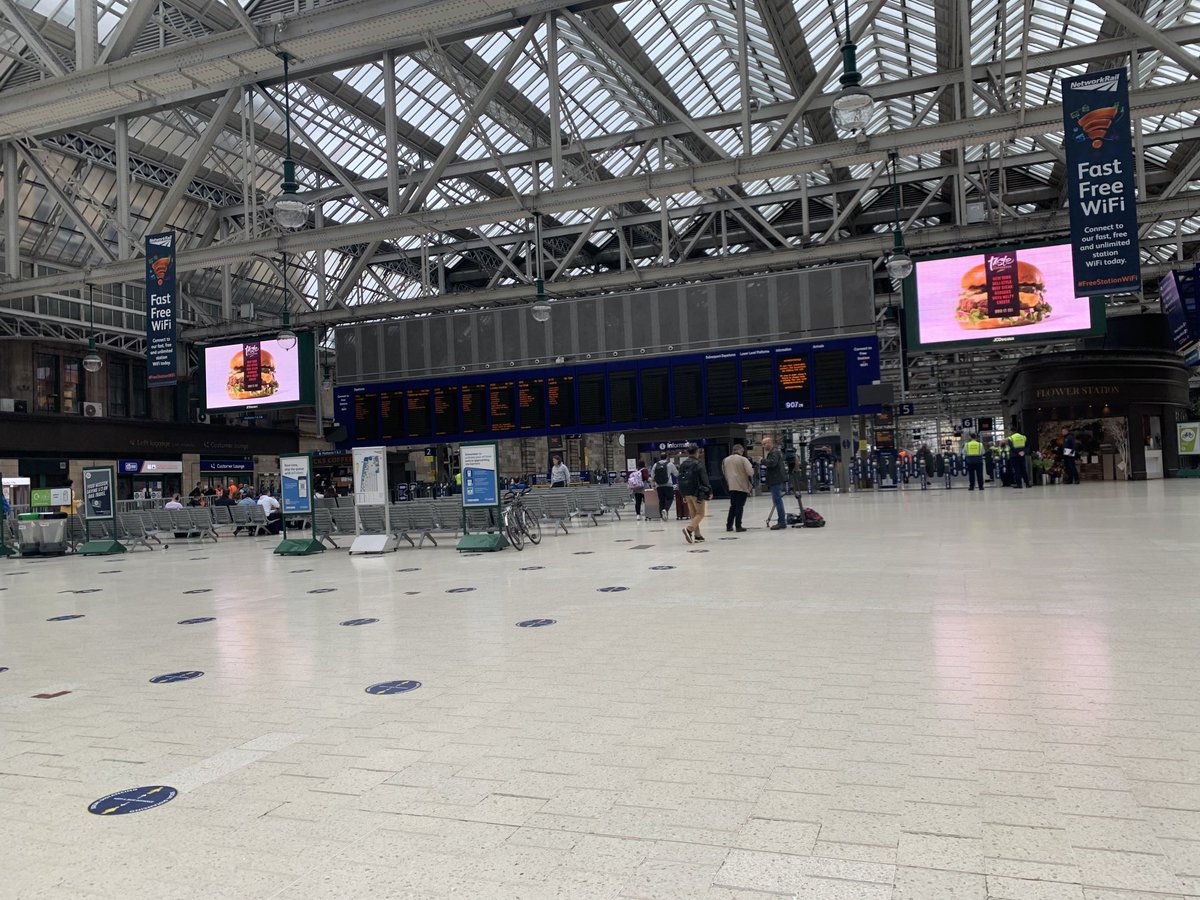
column 637, row 485
column 1068, row 455
column 1018, row 462
column 560, row 475
column 777, row 477
column 739, row 480
column 974, row 453
column 696, row 489
column 664, row 475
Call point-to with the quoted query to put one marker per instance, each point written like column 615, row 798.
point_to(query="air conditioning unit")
column 246, row 311
column 200, row 417
column 7, row 404
column 93, row 410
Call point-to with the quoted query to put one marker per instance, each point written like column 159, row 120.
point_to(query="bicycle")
column 519, row 522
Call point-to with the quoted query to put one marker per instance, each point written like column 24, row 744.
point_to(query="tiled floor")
column 940, row 696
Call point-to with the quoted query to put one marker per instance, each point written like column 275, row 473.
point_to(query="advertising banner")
column 370, row 476
column 1172, row 305
column 160, row 309
column 1100, row 183
column 253, row 374
column 481, row 483
column 98, row 493
column 50, row 497
column 295, row 474
column 1189, row 438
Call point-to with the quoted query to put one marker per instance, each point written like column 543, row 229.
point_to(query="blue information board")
column 762, row 383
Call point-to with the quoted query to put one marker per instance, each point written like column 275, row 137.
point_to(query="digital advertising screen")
column 998, row 296
column 255, row 373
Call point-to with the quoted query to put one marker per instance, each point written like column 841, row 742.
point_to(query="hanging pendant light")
column 899, row 264
column 91, row 360
column 852, row 106
column 290, row 211
column 541, row 307
column 286, row 337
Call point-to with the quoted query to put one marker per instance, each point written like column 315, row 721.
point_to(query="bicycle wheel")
column 512, row 530
column 531, row 526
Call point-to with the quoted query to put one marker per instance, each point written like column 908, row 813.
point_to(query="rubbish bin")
column 54, row 533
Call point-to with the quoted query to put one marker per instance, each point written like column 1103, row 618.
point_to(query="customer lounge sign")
column 1100, row 183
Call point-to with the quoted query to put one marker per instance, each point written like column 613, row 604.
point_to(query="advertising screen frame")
column 305, row 347
column 1001, row 336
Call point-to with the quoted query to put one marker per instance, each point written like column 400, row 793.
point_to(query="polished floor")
column 940, row 696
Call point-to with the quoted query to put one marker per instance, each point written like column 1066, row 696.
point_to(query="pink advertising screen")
column 251, row 374
column 998, row 296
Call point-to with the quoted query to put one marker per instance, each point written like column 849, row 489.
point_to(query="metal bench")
column 323, row 527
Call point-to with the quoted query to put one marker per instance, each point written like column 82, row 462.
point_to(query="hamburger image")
column 972, row 311
column 235, row 387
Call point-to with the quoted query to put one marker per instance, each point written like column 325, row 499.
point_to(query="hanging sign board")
column 1100, row 183
column 161, row 309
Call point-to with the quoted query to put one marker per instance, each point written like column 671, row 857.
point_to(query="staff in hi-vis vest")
column 1018, row 462
column 973, row 453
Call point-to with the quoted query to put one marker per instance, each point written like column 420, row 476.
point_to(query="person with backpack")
column 777, row 479
column 696, row 489
column 664, row 475
column 638, row 480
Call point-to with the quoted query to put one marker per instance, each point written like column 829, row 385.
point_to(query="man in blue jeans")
column 777, row 477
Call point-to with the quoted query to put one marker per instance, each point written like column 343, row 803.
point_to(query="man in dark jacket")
column 695, row 487
column 777, row 477
column 1068, row 457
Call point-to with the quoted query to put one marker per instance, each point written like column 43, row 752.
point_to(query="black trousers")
column 638, row 499
column 737, row 504
column 1019, row 466
column 666, row 497
column 975, row 472
column 1071, row 472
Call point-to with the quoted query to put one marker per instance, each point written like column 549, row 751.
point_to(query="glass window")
column 45, row 373
column 141, row 404
column 72, row 386
column 118, row 390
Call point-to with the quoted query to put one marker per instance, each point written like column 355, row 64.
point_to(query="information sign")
column 98, row 492
column 295, row 475
column 481, row 484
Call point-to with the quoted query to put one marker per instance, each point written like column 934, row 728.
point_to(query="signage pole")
column 296, row 498
column 5, row 550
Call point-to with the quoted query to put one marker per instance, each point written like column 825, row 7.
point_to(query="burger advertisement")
column 254, row 373
column 998, row 296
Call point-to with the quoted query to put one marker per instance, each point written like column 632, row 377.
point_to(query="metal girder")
column 50, row 183
column 1137, row 25
column 32, row 37
column 125, row 35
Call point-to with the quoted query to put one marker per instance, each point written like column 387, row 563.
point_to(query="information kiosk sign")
column 296, row 495
column 99, row 505
column 481, row 490
column 371, row 490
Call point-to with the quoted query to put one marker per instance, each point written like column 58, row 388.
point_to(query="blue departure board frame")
column 609, row 396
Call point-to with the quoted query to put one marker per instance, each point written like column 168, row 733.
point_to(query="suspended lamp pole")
column 899, row 264
column 290, row 211
column 286, row 337
column 92, row 361
column 541, row 307
column 852, row 106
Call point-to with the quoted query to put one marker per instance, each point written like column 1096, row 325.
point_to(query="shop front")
column 148, row 479
column 1121, row 406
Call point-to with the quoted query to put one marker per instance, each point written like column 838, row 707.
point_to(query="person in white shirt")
column 560, row 475
column 173, row 503
column 270, row 506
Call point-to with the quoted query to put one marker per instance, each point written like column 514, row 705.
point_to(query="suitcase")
column 681, row 510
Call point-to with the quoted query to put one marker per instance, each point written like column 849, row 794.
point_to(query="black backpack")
column 689, row 478
column 662, row 476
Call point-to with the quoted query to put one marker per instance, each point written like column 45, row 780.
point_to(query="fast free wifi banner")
column 160, row 309
column 1101, row 196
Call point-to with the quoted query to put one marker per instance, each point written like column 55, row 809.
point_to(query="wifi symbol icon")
column 159, row 268
column 1095, row 124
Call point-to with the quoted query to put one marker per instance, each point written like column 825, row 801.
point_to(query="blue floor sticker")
column 359, row 622
column 697, row 551
column 298, row 571
column 109, row 571
column 536, row 623
column 459, row 590
column 65, row 618
column 3, row 668
column 531, row 568
column 197, row 621
column 410, row 569
column 322, row 590
column 393, row 687
column 172, row 677
column 583, row 552
column 138, row 799
column 199, row 591
column 612, row 589
column 660, row 568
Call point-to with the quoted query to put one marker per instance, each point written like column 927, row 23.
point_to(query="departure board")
column 793, row 381
column 832, row 379
column 722, row 387
column 560, row 397
column 592, row 409
column 622, row 396
column 656, row 395
column 391, row 415
column 445, row 410
column 688, row 390
column 474, row 408
column 366, row 417
column 750, row 384
column 504, row 406
column 758, row 385
column 531, row 399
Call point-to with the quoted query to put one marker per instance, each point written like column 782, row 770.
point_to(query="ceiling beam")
column 32, row 37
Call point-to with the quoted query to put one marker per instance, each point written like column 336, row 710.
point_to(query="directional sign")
column 393, row 687
column 535, row 623
column 359, row 622
column 197, row 621
column 172, row 677
column 905, row 409
column 133, row 800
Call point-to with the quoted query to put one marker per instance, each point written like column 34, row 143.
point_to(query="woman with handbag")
column 696, row 490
